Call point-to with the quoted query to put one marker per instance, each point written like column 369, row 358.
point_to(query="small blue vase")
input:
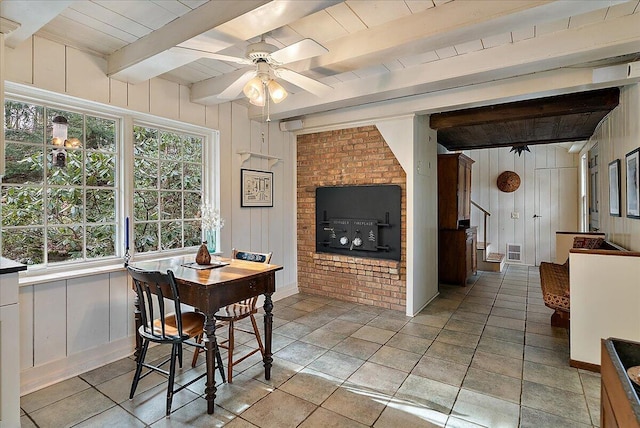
column 210, row 236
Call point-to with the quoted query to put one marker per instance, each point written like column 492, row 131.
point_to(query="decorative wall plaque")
column 508, row 181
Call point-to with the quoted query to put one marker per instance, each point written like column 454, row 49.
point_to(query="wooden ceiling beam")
column 561, row 105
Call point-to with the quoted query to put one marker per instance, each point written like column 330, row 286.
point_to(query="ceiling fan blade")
column 304, row 82
column 305, row 48
column 235, row 88
column 204, row 54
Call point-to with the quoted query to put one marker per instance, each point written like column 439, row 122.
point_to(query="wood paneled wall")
column 72, row 325
column 502, row 229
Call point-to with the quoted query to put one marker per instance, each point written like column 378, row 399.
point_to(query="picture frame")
column 614, row 188
column 256, row 188
column 632, row 166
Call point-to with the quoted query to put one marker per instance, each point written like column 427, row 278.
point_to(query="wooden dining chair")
column 163, row 322
column 239, row 311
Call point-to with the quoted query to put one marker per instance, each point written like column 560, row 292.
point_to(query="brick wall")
column 356, row 156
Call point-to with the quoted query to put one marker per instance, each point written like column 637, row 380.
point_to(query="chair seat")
column 235, row 312
column 192, row 324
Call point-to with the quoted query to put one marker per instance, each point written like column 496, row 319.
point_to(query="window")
column 168, row 181
column 117, row 165
column 58, row 213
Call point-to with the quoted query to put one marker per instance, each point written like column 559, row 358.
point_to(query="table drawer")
column 249, row 287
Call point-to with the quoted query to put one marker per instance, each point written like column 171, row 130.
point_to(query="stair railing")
column 484, row 229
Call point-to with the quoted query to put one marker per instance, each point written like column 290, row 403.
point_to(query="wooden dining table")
column 227, row 281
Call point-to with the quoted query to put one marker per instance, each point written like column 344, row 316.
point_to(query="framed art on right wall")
column 632, row 163
column 614, row 188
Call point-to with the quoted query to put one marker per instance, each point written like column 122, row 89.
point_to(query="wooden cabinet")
column 454, row 190
column 457, row 241
column 457, row 255
column 619, row 404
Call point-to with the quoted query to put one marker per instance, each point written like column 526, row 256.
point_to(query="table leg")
column 268, row 330
column 210, row 346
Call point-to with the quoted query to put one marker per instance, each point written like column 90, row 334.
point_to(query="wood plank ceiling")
column 563, row 118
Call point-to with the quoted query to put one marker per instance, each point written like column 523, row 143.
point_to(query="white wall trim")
column 35, row 378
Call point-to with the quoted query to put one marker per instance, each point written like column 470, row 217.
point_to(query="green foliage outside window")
column 52, row 214
column 167, row 189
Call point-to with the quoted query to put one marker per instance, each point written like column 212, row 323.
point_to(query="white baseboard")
column 35, row 378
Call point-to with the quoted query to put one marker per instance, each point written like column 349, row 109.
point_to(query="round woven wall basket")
column 508, row 181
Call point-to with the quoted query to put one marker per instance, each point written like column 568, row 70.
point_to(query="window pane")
column 146, row 237
column 100, row 240
column 192, row 176
column 192, row 149
column 23, row 163
column 23, row 122
column 145, row 174
column 170, row 145
column 146, row 142
column 192, row 233
column 101, row 134
column 101, row 206
column 70, row 174
column 64, row 205
column 64, row 243
column 171, row 175
column 192, row 203
column 22, row 206
column 145, row 205
column 24, row 245
column 101, row 169
column 171, row 235
column 171, row 205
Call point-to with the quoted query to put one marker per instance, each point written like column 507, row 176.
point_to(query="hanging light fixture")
column 519, row 149
column 263, row 86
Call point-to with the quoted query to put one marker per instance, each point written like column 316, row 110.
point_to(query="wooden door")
column 556, row 208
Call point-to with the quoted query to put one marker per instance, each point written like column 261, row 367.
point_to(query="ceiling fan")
column 267, row 60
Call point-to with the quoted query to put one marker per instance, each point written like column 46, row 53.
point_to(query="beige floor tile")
column 358, row 403
column 485, row 410
column 493, row 384
column 311, row 385
column 458, row 338
column 498, row 364
column 373, row 334
column 555, row 401
column 72, row 410
column 39, row 399
column 323, row 338
column 454, row 353
column 362, row 349
column 238, row 396
column 323, row 418
column 300, row 353
column 533, row 418
column 557, row 377
column 116, row 416
column 440, row 370
column 395, row 358
column 383, row 379
column 279, row 410
column 399, row 413
column 409, row 343
column 385, row 323
column 336, row 364
column 427, row 393
column 109, row 371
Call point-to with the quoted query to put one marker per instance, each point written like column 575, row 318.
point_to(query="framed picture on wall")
column 614, row 188
column 257, row 188
column 632, row 162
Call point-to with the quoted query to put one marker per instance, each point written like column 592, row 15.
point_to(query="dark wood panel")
column 562, row 118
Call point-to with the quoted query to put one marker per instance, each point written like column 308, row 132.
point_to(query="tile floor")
column 478, row 356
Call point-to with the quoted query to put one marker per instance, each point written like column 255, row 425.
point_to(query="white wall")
column 71, row 325
column 502, row 229
column 617, row 135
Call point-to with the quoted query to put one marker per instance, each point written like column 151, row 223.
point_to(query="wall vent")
column 514, row 253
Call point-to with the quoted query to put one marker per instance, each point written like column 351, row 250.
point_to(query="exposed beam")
column 611, row 38
column 39, row 13
column 192, row 24
column 583, row 102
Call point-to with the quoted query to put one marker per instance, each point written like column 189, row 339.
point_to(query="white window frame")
column 124, row 186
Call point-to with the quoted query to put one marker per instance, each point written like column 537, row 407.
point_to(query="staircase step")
column 494, row 263
column 482, row 245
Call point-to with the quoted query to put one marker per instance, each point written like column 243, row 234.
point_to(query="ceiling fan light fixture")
column 276, row 91
column 258, row 101
column 254, row 89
